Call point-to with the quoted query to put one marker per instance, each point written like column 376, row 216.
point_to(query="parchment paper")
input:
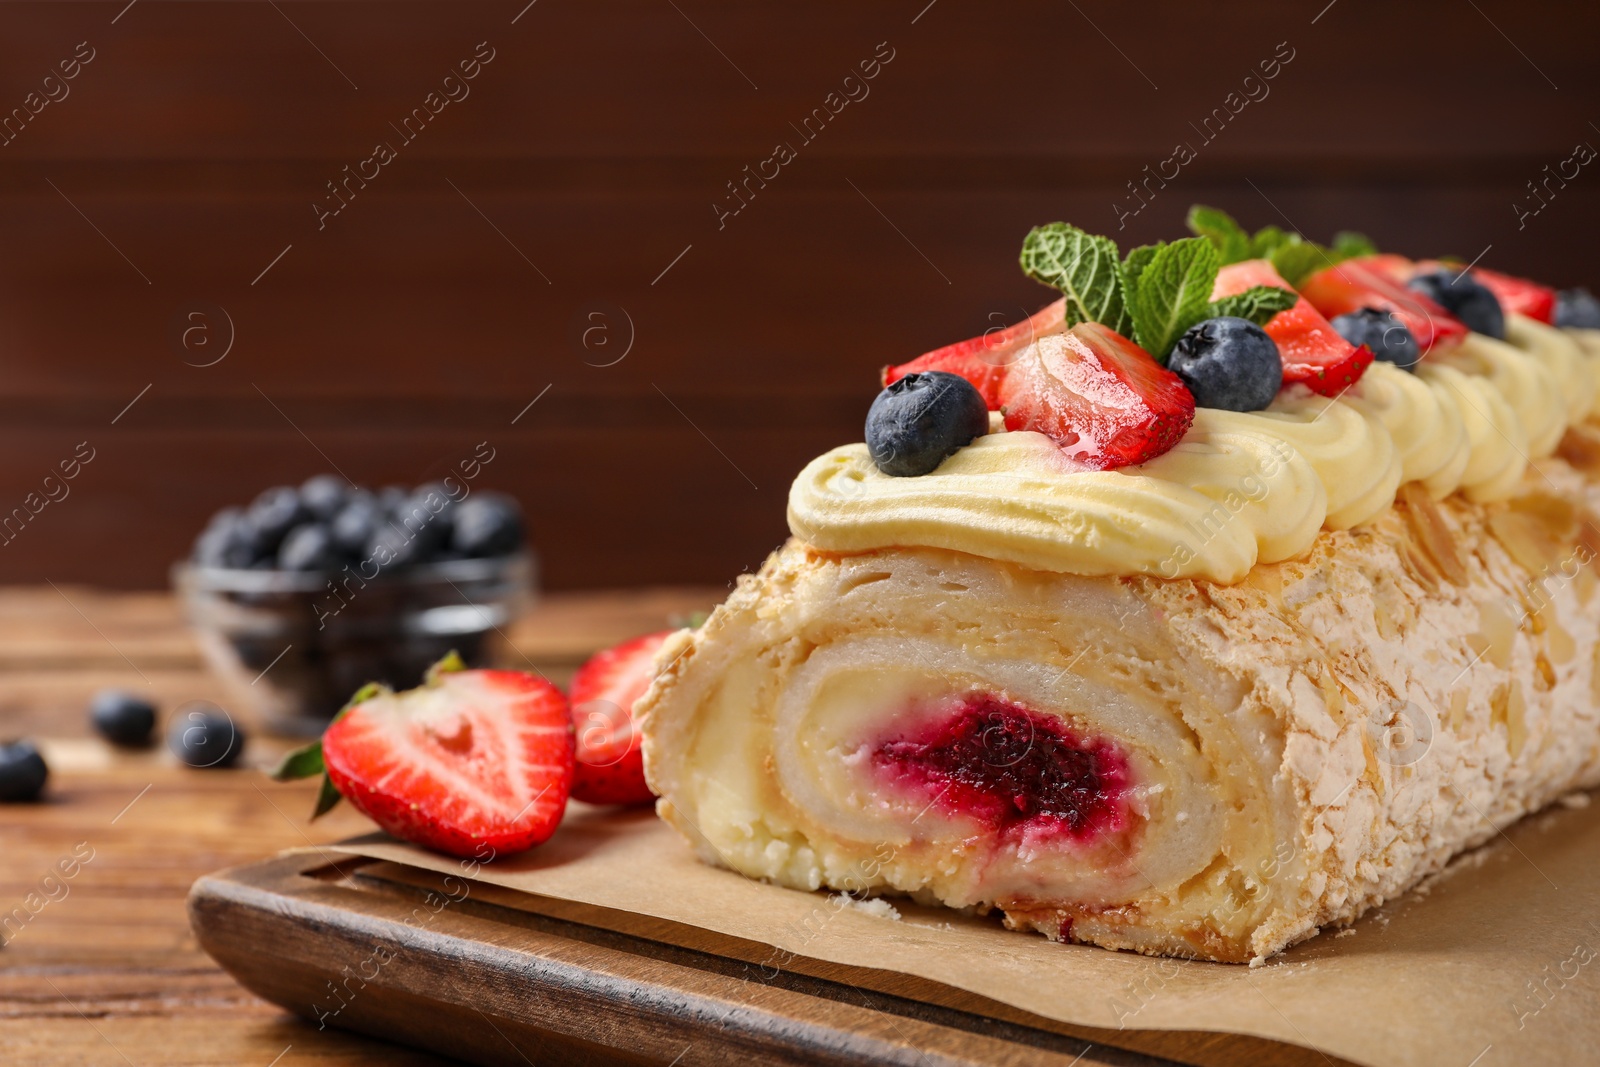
column 1492, row 962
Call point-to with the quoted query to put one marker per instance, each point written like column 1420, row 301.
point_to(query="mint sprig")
column 1291, row 254
column 1171, row 291
column 1348, row 244
column 1219, row 228
column 1157, row 292
column 1084, row 267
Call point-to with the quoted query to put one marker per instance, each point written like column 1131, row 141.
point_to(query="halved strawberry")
column 983, row 360
column 1515, row 294
column 471, row 763
column 1395, row 266
column 1102, row 398
column 1369, row 282
column 1313, row 353
column 610, row 768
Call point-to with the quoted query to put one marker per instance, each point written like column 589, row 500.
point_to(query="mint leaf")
column 1173, row 292
column 1268, row 240
column 303, row 762
column 1219, row 228
column 1348, row 244
column 1133, row 265
column 1257, row 303
column 1084, row 267
column 1295, row 259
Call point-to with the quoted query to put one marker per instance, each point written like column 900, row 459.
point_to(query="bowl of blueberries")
column 309, row 592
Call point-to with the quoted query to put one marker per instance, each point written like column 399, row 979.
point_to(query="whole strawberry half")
column 983, row 360
column 1370, row 282
column 1313, row 353
column 468, row 762
column 610, row 764
column 1102, row 398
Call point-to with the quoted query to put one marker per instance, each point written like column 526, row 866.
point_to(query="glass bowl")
column 293, row 645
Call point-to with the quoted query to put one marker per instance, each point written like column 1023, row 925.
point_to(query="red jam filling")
column 1015, row 770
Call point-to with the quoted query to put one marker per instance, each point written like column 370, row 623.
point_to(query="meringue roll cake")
column 1236, row 621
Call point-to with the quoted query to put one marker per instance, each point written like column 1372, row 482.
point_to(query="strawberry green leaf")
column 1084, row 267
column 303, row 762
column 1257, row 303
column 450, row 663
column 366, row 693
column 1348, row 244
column 1219, row 228
column 327, row 797
column 1173, row 293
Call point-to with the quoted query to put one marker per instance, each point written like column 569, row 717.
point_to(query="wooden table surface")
column 106, row 970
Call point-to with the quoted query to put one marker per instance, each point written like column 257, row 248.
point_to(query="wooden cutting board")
column 487, row 980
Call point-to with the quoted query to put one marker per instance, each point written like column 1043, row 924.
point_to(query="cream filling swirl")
column 1241, row 487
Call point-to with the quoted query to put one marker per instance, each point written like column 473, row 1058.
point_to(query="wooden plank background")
column 578, row 175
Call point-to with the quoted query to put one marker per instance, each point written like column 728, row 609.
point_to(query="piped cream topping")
column 1241, row 487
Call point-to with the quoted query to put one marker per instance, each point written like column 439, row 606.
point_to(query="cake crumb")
column 872, row 906
column 1348, row 931
column 1575, row 800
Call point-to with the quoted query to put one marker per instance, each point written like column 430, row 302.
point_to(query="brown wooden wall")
column 454, row 288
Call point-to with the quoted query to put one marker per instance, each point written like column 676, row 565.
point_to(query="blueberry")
column 22, row 772
column 1577, row 307
column 273, row 514
column 229, row 540
column 427, row 516
column 1466, row 298
column 205, row 736
column 393, row 546
column 355, row 524
column 323, row 495
column 309, row 547
column 123, row 718
column 390, row 497
column 1228, row 363
column 1382, row 332
column 919, row 420
column 486, row 524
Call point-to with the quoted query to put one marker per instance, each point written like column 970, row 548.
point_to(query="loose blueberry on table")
column 1382, row 332
column 22, row 772
column 1466, row 298
column 205, row 737
column 1228, row 363
column 123, row 718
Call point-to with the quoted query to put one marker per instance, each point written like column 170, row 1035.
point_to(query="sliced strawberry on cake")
column 1529, row 298
column 472, row 763
column 610, row 766
column 1313, row 353
column 1101, row 397
column 983, row 360
column 1370, row 282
